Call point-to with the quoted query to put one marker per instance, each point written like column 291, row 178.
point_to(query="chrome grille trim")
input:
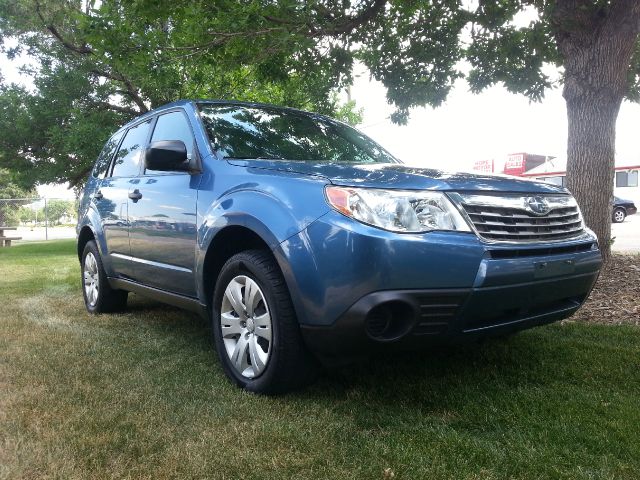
column 527, row 217
column 512, row 218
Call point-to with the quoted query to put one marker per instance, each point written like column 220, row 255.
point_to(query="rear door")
column 163, row 219
column 112, row 199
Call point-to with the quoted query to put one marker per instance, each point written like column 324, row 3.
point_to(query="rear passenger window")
column 173, row 126
column 129, row 156
column 102, row 164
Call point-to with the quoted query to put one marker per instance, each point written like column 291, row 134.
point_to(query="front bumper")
column 347, row 278
column 442, row 316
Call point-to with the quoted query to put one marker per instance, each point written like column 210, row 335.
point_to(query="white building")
column 625, row 183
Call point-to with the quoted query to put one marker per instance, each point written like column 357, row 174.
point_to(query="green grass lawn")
column 141, row 395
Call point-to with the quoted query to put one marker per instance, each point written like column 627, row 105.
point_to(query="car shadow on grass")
column 500, row 362
column 477, row 368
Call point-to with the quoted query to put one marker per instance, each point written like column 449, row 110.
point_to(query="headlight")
column 397, row 210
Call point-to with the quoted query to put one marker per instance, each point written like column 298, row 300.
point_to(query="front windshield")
column 244, row 131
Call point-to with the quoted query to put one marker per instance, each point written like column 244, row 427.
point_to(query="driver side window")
column 172, row 126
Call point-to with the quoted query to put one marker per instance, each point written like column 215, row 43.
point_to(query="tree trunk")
column 596, row 44
column 591, row 160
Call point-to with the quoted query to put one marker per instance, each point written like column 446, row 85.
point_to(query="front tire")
column 98, row 295
column 255, row 329
column 619, row 215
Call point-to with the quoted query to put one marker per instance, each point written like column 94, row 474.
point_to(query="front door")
column 163, row 218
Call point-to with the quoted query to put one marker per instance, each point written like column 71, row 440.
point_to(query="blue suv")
column 301, row 239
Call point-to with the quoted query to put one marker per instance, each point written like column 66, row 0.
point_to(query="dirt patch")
column 616, row 297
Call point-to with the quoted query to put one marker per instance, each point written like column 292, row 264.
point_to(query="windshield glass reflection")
column 252, row 132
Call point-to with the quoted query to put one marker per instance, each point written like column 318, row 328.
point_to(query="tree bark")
column 590, row 162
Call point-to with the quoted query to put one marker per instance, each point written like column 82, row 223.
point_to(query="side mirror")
column 167, row 156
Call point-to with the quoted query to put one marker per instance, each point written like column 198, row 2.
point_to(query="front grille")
column 503, row 316
column 509, row 218
column 537, row 252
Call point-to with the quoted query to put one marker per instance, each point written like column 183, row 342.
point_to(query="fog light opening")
column 389, row 320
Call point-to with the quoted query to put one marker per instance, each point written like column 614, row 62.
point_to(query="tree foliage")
column 99, row 66
column 12, row 197
column 10, row 189
column 57, row 210
column 103, row 62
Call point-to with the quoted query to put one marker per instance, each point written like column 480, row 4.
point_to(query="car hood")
column 398, row 176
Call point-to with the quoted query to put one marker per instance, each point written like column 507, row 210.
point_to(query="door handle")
column 135, row 195
column 98, row 195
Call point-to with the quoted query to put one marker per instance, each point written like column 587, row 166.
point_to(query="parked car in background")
column 301, row 239
column 621, row 209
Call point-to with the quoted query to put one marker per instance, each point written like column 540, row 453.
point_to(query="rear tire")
column 261, row 349
column 619, row 215
column 98, row 295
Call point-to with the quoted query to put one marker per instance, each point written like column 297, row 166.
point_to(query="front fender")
column 267, row 215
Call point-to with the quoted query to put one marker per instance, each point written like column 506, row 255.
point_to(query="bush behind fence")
column 39, row 218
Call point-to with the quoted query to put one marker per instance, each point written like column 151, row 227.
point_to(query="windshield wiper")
column 233, row 157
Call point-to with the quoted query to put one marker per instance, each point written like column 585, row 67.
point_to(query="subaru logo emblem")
column 537, row 205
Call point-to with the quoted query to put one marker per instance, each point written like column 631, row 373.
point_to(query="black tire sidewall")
column 109, row 300
column 240, row 265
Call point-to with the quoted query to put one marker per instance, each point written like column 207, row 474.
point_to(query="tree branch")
column 280, row 21
column 625, row 15
column 117, row 108
column 339, row 27
column 130, row 91
column 224, row 37
column 350, row 23
column 80, row 49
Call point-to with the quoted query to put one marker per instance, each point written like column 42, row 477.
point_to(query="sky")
column 466, row 128
column 489, row 125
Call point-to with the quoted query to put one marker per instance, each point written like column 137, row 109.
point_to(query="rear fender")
column 92, row 220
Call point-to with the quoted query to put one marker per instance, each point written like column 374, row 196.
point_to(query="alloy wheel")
column 91, row 279
column 618, row 215
column 246, row 326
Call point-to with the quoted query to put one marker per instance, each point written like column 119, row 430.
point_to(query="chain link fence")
column 34, row 219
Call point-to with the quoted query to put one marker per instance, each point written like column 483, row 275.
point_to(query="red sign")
column 515, row 164
column 484, row 166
